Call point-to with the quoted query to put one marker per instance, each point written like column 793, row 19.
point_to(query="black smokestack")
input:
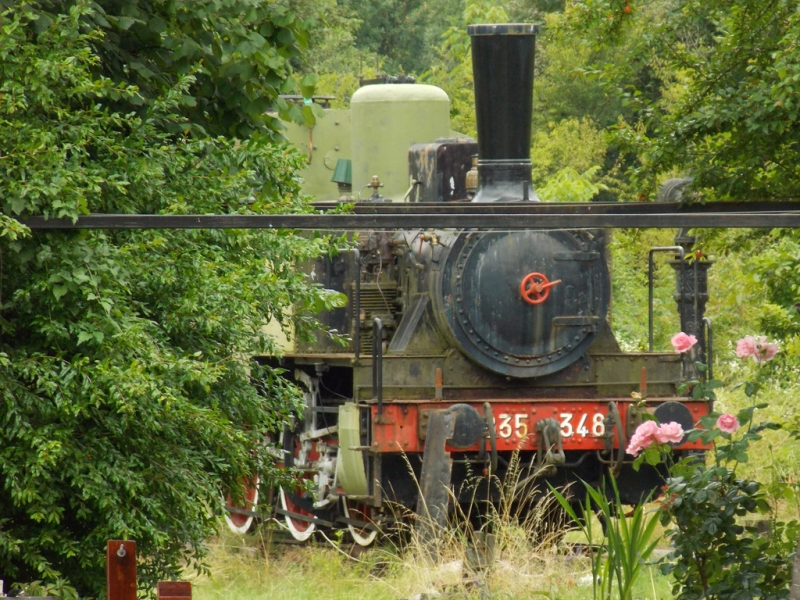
column 502, row 67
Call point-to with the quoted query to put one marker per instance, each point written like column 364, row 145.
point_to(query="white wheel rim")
column 301, row 535
column 358, row 538
column 248, row 522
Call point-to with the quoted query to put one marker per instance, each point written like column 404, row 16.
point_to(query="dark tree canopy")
column 405, row 32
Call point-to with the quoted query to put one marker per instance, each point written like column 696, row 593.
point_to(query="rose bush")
column 715, row 554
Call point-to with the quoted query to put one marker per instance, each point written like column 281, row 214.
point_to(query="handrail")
column 709, row 347
column 650, row 274
column 377, row 363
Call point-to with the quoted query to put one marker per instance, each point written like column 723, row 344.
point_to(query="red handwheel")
column 535, row 288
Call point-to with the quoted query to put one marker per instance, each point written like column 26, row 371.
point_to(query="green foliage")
column 714, row 555
column 708, row 87
column 127, row 399
column 572, row 143
column 756, row 286
column 627, row 544
column 404, row 32
column 629, row 250
column 563, row 89
column 332, row 28
column 570, row 186
column 240, row 53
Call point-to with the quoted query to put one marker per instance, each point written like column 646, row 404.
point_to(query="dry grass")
column 530, row 561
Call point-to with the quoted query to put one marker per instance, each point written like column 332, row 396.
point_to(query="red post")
column 173, row 590
column 121, row 570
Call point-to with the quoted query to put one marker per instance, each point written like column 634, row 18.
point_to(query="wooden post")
column 173, row 590
column 121, row 570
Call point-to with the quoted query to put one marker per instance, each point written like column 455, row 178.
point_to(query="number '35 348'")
column 517, row 425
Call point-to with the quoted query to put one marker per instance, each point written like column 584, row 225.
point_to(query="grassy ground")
column 253, row 569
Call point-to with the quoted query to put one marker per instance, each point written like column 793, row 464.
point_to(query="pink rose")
column 727, row 423
column 746, row 347
column 669, row 432
column 757, row 347
column 765, row 351
column 642, row 438
column 683, row 342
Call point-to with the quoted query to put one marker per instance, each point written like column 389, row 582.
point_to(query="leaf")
column 307, row 85
column 42, row 22
column 125, row 22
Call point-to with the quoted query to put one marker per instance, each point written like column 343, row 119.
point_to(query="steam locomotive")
column 469, row 346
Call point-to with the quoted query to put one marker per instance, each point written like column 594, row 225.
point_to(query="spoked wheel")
column 363, row 536
column 240, row 522
column 301, row 530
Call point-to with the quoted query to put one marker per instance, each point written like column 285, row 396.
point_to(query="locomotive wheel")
column 363, row 536
column 241, row 523
column 300, row 530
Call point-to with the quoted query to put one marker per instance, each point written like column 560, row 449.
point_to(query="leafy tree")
column 332, row 36
column 403, row 31
column 126, row 388
column 570, row 143
column 240, row 54
column 570, row 186
column 709, row 89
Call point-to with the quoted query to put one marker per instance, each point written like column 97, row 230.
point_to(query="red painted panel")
column 173, row 590
column 581, row 424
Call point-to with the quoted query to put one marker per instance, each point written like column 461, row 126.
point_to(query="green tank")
column 386, row 121
column 383, row 122
column 324, row 144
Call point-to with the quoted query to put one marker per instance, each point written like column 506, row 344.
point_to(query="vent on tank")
column 502, row 64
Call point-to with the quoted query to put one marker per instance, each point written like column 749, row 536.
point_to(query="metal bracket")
column 549, row 438
column 614, row 421
column 488, row 416
column 434, row 481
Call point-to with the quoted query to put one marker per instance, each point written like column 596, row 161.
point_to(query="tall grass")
column 515, row 551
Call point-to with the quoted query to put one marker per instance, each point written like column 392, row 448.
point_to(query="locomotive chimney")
column 502, row 66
